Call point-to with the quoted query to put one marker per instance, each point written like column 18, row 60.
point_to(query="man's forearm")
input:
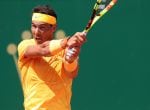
column 48, row 48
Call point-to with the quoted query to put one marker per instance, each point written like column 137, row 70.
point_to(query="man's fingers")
column 73, row 52
column 81, row 39
column 77, row 40
column 81, row 36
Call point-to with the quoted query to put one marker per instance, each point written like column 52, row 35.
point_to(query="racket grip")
column 85, row 32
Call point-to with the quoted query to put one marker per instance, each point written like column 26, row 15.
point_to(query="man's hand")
column 77, row 40
column 72, row 54
column 74, row 44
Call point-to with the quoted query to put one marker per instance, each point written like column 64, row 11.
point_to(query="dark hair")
column 45, row 9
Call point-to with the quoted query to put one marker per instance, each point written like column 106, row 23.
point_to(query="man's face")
column 42, row 31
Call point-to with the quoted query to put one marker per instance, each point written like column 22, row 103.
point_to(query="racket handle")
column 85, row 32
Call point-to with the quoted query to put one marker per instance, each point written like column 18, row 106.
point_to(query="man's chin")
column 38, row 41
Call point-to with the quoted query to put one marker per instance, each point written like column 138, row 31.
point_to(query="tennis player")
column 46, row 74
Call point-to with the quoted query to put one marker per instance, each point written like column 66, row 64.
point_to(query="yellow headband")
column 44, row 18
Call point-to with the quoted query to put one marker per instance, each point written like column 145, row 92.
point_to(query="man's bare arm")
column 47, row 48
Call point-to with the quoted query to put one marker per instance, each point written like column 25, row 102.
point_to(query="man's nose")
column 37, row 31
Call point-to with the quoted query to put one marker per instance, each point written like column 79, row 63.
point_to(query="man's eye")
column 44, row 28
column 33, row 26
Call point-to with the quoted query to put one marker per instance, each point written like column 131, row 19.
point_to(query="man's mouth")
column 38, row 38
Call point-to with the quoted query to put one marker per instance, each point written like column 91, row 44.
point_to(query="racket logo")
column 104, row 0
column 101, row 7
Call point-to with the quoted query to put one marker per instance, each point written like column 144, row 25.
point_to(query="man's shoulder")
column 27, row 42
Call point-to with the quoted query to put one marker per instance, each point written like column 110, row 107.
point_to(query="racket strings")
column 94, row 13
column 104, row 6
column 99, row 9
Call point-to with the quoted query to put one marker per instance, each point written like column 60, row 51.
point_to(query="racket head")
column 100, row 8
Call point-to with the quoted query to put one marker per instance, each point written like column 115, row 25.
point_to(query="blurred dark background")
column 114, row 63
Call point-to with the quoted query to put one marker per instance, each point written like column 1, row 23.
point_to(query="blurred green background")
column 114, row 63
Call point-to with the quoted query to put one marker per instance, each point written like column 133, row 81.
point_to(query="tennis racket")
column 100, row 8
